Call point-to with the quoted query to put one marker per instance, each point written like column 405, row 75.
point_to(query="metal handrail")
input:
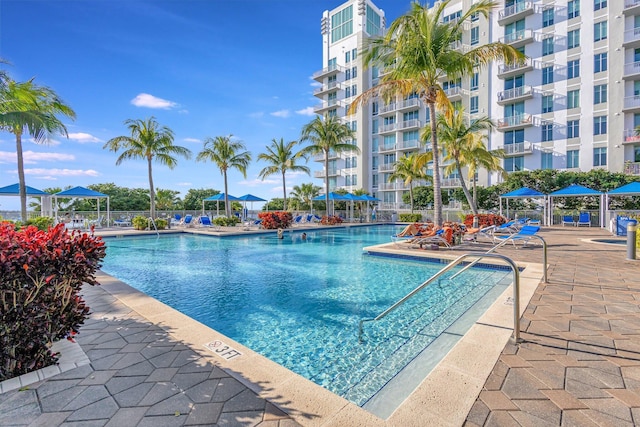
column 152, row 221
column 504, row 242
column 455, row 262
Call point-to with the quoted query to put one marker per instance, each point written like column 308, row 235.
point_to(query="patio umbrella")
column 332, row 196
column 217, row 198
column 367, row 198
column 249, row 198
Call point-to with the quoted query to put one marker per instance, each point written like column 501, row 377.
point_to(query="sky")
column 203, row 68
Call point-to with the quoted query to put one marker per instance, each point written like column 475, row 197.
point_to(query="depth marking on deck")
column 223, row 350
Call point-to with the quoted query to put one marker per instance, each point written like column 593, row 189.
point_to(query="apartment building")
column 572, row 105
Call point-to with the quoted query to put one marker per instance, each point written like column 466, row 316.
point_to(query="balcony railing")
column 450, row 182
column 326, row 105
column 386, row 148
column 632, row 168
column 387, row 186
column 331, row 69
column 326, row 88
column 387, row 108
column 459, row 46
column 518, row 38
column 386, row 167
column 630, row 6
column 631, row 69
column 520, row 120
column 518, row 148
column 407, row 124
column 408, row 103
column 631, row 36
column 515, row 12
column 387, row 128
column 403, row 145
column 631, row 102
column 630, row 136
column 521, row 66
column 515, row 93
column 452, row 92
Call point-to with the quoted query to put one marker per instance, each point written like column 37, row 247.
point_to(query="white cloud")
column 150, row 101
column 282, row 114
column 306, row 112
column 31, row 157
column 196, row 140
column 315, row 84
column 83, row 137
column 61, row 172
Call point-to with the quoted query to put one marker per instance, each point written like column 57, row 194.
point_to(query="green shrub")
column 411, row 217
column 140, row 223
column 41, row 273
column 161, row 224
column 41, row 223
column 223, row 221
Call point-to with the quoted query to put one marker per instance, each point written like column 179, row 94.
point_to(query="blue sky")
column 204, row 68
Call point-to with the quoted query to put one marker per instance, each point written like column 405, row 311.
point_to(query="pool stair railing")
column 151, row 222
column 451, row 265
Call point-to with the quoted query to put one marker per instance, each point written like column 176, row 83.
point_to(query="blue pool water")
column 299, row 302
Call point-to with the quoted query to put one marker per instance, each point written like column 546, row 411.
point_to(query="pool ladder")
column 455, row 262
column 152, row 221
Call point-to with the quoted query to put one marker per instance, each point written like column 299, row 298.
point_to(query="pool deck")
column 141, row 363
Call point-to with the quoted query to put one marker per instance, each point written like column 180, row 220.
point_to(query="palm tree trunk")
column 326, row 180
column 475, row 191
column 411, row 195
column 152, row 193
column 465, row 190
column 284, row 190
column 22, row 189
column 227, row 211
column 437, row 196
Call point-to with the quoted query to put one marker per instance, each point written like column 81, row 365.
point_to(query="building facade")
column 572, row 105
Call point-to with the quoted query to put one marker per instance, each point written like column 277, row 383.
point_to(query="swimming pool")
column 298, row 302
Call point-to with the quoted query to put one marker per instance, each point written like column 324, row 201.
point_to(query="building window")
column 573, row 9
column 573, row 69
column 354, row 90
column 347, row 74
column 573, row 128
column 547, row 75
column 600, row 125
column 475, row 16
column 547, row 17
column 573, row 99
column 411, row 115
column 354, row 53
column 342, row 24
column 547, row 132
column 374, row 24
column 547, row 160
column 332, row 113
column 347, row 57
column 599, row 94
column 374, row 108
column 573, row 159
column 473, row 107
column 573, row 39
column 599, row 31
column 599, row 4
column 354, row 72
column 547, row 46
column 473, row 85
column 475, row 35
column 514, row 164
column 514, row 136
column 600, row 156
column 600, row 62
column 547, row 103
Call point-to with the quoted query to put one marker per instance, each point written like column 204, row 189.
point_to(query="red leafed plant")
column 485, row 220
column 275, row 220
column 41, row 273
column 331, row 220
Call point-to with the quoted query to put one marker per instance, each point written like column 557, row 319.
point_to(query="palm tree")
column 480, row 157
column 167, row 199
column 411, row 167
column 460, row 142
column 326, row 136
column 305, row 193
column 282, row 159
column 421, row 47
column 226, row 154
column 27, row 108
column 148, row 140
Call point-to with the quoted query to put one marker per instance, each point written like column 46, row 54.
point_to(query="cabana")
column 630, row 189
column 525, row 193
column 575, row 190
column 81, row 193
column 217, row 198
column 249, row 198
column 45, row 198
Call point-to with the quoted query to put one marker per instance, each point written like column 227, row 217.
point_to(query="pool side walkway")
column 579, row 363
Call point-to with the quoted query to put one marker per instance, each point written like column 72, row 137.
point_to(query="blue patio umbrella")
column 249, row 198
column 575, row 190
column 217, row 198
column 332, row 196
column 82, row 193
column 14, row 190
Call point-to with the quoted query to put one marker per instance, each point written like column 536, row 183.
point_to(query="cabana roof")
column 523, row 192
column 633, row 188
column 575, row 190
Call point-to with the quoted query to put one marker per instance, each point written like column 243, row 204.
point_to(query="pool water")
column 298, row 302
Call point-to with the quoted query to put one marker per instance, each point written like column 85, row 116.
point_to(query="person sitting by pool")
column 280, row 233
column 304, row 236
column 411, row 230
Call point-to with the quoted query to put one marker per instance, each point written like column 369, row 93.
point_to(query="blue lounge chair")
column 584, row 219
column 524, row 235
column 568, row 219
column 205, row 221
column 187, row 221
column 297, row 220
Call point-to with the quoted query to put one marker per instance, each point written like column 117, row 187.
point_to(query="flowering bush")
column 331, row 220
column 485, row 220
column 276, row 219
column 41, row 273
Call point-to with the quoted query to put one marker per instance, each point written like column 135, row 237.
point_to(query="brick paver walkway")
column 579, row 364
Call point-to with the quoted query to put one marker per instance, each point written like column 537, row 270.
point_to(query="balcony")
column 631, row 71
column 386, row 148
column 391, row 127
column 510, row 70
column 386, row 167
column 318, row 174
column 631, row 38
column 518, row 38
column 520, row 121
column 631, row 104
column 630, row 137
column 450, row 183
column 454, row 93
column 324, row 106
column 408, row 145
column 408, row 124
column 515, row 13
column 328, row 71
column 387, row 186
column 324, row 89
column 632, row 168
column 518, row 148
column 320, row 156
column 631, row 7
column 387, row 109
column 516, row 94
column 460, row 47
column 408, row 103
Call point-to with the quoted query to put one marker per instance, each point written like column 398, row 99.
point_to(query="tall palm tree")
column 226, row 154
column 421, row 47
column 150, row 141
column 305, row 193
column 27, row 108
column 282, row 159
column 460, row 142
column 326, row 136
column 480, row 157
column 409, row 168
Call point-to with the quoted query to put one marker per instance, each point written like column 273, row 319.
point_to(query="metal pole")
column 632, row 226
